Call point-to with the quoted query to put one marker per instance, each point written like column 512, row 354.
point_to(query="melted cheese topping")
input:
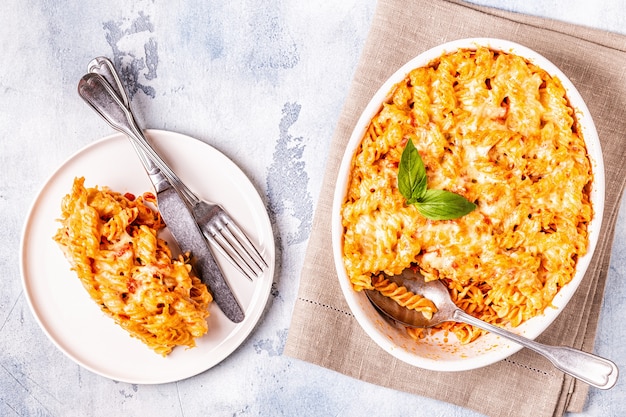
column 111, row 243
column 498, row 130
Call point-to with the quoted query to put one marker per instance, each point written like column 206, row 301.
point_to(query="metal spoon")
column 592, row 369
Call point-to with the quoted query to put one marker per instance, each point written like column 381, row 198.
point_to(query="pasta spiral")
column 499, row 131
column 111, row 242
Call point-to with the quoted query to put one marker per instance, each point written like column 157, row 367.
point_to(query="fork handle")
column 99, row 94
column 103, row 66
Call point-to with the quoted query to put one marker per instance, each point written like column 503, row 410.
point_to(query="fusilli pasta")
column 111, row 242
column 499, row 131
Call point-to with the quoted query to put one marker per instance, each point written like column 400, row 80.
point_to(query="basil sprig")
column 432, row 204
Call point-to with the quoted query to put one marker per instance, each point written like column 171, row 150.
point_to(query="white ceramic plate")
column 435, row 352
column 75, row 323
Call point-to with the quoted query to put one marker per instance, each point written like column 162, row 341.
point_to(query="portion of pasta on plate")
column 111, row 242
column 498, row 130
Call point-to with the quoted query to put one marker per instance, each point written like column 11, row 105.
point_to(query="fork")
column 218, row 227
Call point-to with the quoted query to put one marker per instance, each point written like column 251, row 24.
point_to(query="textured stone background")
column 264, row 83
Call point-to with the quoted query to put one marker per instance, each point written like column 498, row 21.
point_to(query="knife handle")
column 99, row 94
column 103, row 66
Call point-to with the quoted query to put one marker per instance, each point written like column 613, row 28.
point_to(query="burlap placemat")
column 324, row 332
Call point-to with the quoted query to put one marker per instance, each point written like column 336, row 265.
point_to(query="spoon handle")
column 594, row 370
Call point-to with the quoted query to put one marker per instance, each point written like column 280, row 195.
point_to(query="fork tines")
column 235, row 245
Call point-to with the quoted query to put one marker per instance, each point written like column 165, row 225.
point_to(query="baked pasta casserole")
column 500, row 132
column 111, row 242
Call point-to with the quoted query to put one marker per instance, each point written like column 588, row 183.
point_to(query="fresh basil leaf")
column 411, row 174
column 432, row 204
column 443, row 205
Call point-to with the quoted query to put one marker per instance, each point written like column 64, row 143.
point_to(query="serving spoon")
column 589, row 368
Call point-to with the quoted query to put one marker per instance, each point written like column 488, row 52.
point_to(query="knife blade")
column 189, row 238
column 101, row 96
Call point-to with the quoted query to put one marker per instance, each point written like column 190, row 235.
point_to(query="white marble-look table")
column 263, row 82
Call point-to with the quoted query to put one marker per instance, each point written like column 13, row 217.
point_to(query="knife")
column 101, row 96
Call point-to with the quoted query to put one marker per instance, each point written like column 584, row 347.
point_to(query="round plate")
column 440, row 352
column 73, row 321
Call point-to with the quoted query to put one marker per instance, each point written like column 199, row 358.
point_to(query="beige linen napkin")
column 323, row 330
